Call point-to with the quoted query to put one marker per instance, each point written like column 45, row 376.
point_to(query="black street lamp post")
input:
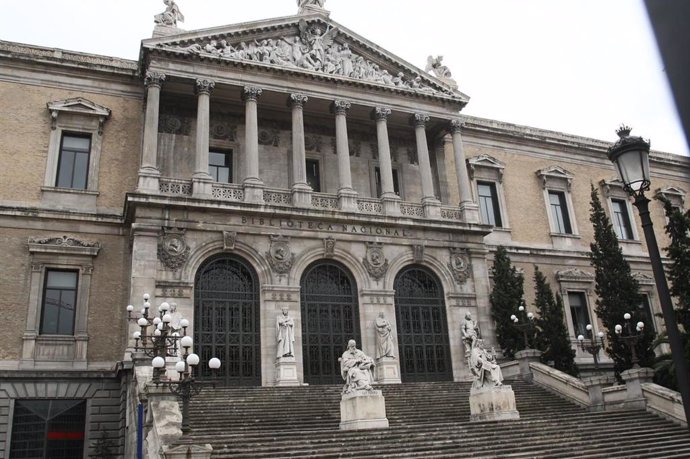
column 630, row 339
column 525, row 323
column 595, row 344
column 630, row 155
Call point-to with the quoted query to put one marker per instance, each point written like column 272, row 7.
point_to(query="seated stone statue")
column 483, row 365
column 356, row 369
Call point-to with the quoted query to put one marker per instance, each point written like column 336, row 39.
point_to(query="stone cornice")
column 21, row 51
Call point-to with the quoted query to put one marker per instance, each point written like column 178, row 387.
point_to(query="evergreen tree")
column 552, row 333
column 617, row 289
column 678, row 230
column 506, row 298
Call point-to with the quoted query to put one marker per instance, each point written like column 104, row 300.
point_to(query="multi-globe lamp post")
column 630, row 156
column 158, row 340
column 594, row 344
column 630, row 339
column 524, row 322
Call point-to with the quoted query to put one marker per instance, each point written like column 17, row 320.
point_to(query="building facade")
column 287, row 163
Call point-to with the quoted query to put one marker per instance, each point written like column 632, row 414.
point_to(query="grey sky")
column 577, row 66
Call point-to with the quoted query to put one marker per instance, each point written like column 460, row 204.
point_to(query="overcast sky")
column 576, row 66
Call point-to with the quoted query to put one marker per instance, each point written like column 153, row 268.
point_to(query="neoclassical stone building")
column 237, row 170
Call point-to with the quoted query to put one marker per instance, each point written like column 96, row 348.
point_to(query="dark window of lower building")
column 644, row 313
column 488, row 204
column 48, row 429
column 314, row 175
column 579, row 312
column 73, row 164
column 59, row 302
column 220, row 166
column 621, row 219
column 559, row 212
column 379, row 187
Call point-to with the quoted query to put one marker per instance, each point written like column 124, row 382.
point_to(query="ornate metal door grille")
column 330, row 317
column 226, row 314
column 420, row 314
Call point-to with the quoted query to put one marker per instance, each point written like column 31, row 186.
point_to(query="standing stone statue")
column 483, row 365
column 313, row 3
column 356, row 369
column 170, row 16
column 469, row 330
column 285, row 334
column 384, row 338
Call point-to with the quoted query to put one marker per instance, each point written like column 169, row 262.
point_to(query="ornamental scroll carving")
column 459, row 265
column 375, row 260
column 64, row 241
column 279, row 255
column 314, row 49
column 173, row 250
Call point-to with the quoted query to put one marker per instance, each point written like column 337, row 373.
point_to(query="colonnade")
column 149, row 173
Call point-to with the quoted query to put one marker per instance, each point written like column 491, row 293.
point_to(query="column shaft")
column 253, row 186
column 385, row 165
column 203, row 115
column 423, row 157
column 299, row 160
column 460, row 167
column 342, row 145
column 148, row 172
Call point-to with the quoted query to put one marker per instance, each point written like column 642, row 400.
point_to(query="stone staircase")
column 429, row 420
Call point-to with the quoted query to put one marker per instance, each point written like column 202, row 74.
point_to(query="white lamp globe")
column 214, row 363
column 515, row 320
column 184, row 323
column 580, row 337
column 513, row 317
column 156, row 321
column 130, row 307
column 627, row 316
column 521, row 308
column 142, row 322
column 640, row 325
column 158, row 362
column 156, row 332
column 159, row 326
column 147, row 305
column 619, row 328
column 146, row 296
column 180, row 367
column 193, row 360
column 186, row 341
column 530, row 316
column 167, row 318
column 136, row 335
column 164, row 306
column 589, row 327
column 600, row 334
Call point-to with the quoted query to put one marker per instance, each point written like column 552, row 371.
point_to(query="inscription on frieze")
column 343, row 228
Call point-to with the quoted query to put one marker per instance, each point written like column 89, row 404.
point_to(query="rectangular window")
column 488, row 203
column 314, row 175
column 48, row 428
column 59, row 302
column 73, row 164
column 559, row 212
column 621, row 219
column 379, row 188
column 220, row 166
column 579, row 312
column 644, row 312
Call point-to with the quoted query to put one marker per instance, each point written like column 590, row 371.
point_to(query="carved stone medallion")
column 329, row 247
column 279, row 255
column 229, row 240
column 459, row 265
column 173, row 250
column 375, row 260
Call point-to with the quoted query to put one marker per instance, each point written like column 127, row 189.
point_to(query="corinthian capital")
column 204, row 86
column 419, row 119
column 340, row 107
column 154, row 79
column 251, row 93
column 456, row 126
column 381, row 113
column 297, row 100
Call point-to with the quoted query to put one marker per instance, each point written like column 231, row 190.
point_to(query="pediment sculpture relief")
column 314, row 49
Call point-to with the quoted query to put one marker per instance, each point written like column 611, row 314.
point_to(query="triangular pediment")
column 79, row 105
column 485, row 160
column 311, row 45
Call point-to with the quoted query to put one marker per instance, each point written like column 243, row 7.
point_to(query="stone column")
column 301, row 191
column 148, row 172
column 391, row 201
column 469, row 208
column 432, row 206
column 201, row 180
column 253, row 186
column 347, row 197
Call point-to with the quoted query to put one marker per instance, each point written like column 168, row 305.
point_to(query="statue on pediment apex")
column 170, row 16
column 310, row 3
column 435, row 65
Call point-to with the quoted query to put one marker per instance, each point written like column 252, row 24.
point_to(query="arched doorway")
column 420, row 313
column 226, row 320
column 330, row 317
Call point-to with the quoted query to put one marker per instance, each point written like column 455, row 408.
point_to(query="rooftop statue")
column 434, row 65
column 170, row 16
column 310, row 3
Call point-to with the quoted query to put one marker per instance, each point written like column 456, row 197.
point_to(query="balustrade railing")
column 370, row 206
column 175, row 186
column 451, row 213
column 411, row 210
column 276, row 197
column 228, row 192
column 324, row 201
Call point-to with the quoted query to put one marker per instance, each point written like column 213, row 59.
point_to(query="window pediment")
column 66, row 245
column 674, row 194
column 486, row 162
column 78, row 106
column 574, row 275
column 555, row 175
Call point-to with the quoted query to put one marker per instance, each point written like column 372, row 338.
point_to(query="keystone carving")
column 375, row 260
column 279, row 255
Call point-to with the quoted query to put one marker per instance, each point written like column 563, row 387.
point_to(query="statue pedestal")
column 286, row 372
column 363, row 410
column 493, row 404
column 387, row 371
